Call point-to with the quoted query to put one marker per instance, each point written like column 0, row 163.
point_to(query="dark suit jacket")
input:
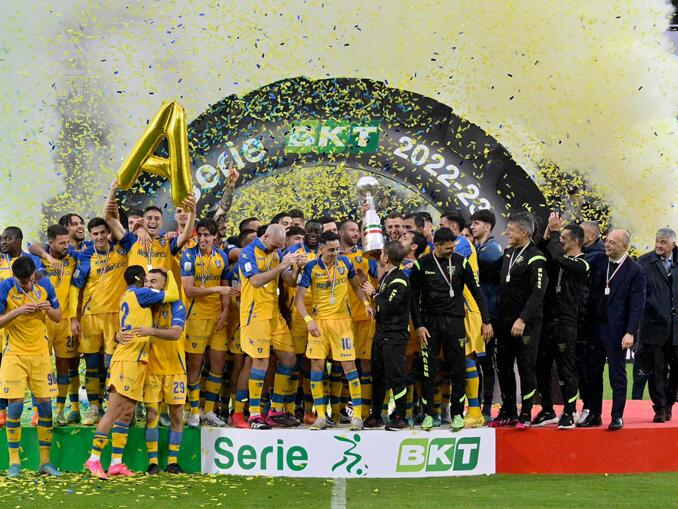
column 658, row 325
column 627, row 296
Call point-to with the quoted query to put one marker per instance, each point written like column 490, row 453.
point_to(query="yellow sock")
column 14, row 411
column 212, row 387
column 240, row 400
column 366, row 394
column 281, row 386
column 173, row 446
column 63, row 382
column 98, row 443
column 409, row 405
column 256, row 387
column 44, row 430
column 335, row 391
column 355, row 390
column 308, row 397
column 318, row 393
column 119, row 435
column 152, row 436
column 74, row 390
column 472, row 387
column 194, row 398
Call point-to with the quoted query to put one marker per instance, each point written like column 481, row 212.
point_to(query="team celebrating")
column 292, row 323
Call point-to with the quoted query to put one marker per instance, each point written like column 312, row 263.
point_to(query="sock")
column 98, row 443
column 281, row 386
column 203, row 380
column 212, row 388
column 326, row 389
column 92, row 378
column 308, row 397
column 335, row 391
column 318, row 395
column 240, row 400
column 14, row 411
column 174, row 446
column 409, row 405
column 118, row 441
column 291, row 395
column 63, row 381
column 45, row 430
column 194, row 398
column 152, row 436
column 366, row 390
column 354, row 388
column 74, row 390
column 472, row 388
column 256, row 386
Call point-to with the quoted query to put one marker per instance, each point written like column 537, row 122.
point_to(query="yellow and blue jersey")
column 101, row 276
column 368, row 267
column 207, row 271
column 257, row 303
column 135, row 311
column 61, row 279
column 161, row 255
column 292, row 290
column 26, row 334
column 328, row 305
column 6, row 262
column 166, row 357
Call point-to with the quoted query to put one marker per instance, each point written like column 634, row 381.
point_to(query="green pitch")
column 78, row 490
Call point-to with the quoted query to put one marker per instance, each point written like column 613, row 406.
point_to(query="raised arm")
column 111, row 215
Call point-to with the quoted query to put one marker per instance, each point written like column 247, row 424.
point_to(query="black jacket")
column 623, row 308
column 431, row 293
column 568, row 282
column 659, row 325
column 393, row 308
column 522, row 296
column 594, row 254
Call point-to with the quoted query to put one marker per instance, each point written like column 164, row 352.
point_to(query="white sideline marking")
column 338, row 494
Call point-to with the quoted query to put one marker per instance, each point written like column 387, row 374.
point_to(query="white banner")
column 342, row 453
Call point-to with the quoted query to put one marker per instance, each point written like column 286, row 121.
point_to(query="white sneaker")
column 211, row 419
column 61, row 419
column 165, row 421
column 583, row 416
column 320, row 423
column 356, row 424
column 193, row 421
column 92, row 416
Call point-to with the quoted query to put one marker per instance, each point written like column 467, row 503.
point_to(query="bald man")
column 618, row 297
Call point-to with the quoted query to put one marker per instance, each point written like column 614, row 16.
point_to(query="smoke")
column 587, row 85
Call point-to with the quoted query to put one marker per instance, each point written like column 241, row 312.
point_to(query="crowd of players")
column 289, row 323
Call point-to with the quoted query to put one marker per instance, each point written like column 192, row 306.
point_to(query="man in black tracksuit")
column 389, row 346
column 438, row 310
column 568, row 274
column 523, row 282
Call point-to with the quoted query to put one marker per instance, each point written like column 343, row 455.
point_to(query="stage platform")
column 640, row 447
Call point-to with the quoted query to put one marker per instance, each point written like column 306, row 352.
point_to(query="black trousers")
column 585, row 346
column 447, row 333
column 522, row 349
column 487, row 370
column 389, row 367
column 608, row 347
column 558, row 343
column 660, row 364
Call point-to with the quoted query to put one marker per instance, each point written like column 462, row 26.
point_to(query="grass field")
column 76, row 491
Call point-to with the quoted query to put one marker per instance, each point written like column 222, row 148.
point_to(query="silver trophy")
column 373, row 236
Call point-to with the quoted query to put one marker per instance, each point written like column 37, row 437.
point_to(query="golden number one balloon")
column 169, row 122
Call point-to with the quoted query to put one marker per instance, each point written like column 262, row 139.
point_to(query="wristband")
column 308, row 319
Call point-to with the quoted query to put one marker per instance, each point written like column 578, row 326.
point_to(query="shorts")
column 61, row 341
column 34, row 371
column 128, row 378
column 257, row 338
column 363, row 332
column 168, row 388
column 234, row 343
column 336, row 336
column 299, row 332
column 202, row 333
column 475, row 344
column 98, row 331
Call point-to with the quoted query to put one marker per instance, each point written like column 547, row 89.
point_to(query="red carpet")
column 641, row 446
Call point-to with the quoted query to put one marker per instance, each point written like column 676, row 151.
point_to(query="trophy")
column 373, row 237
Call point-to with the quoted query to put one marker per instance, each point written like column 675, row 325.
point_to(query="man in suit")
column 658, row 351
column 618, row 296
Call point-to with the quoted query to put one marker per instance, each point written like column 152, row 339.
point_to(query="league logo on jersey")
column 38, row 293
column 165, row 314
column 358, row 259
column 217, row 263
column 162, row 241
column 341, row 270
